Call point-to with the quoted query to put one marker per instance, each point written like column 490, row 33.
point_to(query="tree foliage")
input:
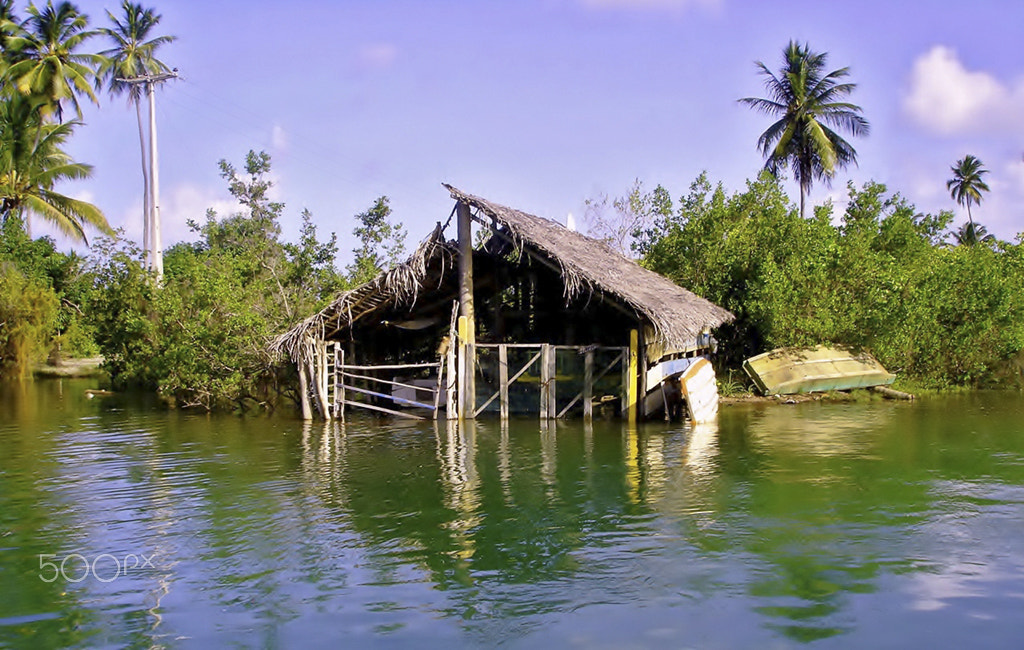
column 878, row 276
column 967, row 183
column 200, row 338
column 381, row 243
column 810, row 106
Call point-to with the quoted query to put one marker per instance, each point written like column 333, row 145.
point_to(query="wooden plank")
column 402, row 366
column 588, row 385
column 374, row 407
column 399, row 400
column 503, row 379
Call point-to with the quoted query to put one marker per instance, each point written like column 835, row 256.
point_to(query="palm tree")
column 808, row 104
column 132, row 57
column 972, row 233
column 48, row 67
column 32, row 163
column 966, row 185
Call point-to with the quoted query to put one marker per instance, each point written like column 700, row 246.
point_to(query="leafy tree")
column 381, row 243
column 967, row 185
column 28, row 314
column 809, row 104
column 878, row 278
column 201, row 338
column 48, row 65
column 32, row 163
column 132, row 56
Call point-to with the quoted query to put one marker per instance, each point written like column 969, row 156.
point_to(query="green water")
column 878, row 525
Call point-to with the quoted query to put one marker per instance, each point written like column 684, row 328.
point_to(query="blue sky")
column 542, row 104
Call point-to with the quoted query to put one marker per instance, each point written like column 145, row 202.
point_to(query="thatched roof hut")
column 589, row 270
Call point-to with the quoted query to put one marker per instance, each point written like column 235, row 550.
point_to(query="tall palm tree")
column 132, row 57
column 32, row 163
column 809, row 104
column 967, row 185
column 49, row 68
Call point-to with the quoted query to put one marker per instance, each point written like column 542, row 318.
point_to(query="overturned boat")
column 786, row 371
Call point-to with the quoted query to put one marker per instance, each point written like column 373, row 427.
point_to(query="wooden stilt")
column 546, row 407
column 632, row 384
column 451, row 396
column 467, row 319
column 307, row 408
column 503, row 380
column 340, row 390
column 588, row 385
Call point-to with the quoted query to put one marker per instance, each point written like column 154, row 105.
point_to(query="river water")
column 878, row 525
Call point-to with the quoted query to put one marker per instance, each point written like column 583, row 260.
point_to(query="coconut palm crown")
column 48, row 66
column 967, row 185
column 811, row 107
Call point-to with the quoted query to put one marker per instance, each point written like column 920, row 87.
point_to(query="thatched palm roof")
column 677, row 316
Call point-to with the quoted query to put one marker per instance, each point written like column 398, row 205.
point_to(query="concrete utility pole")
column 151, row 230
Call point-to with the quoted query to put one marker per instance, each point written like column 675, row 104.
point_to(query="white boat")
column 698, row 385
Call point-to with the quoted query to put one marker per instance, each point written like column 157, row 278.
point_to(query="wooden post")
column 503, row 380
column 546, row 407
column 467, row 332
column 467, row 368
column 588, row 386
column 339, row 392
column 451, row 390
column 631, row 385
column 641, row 376
column 307, row 408
column 552, row 382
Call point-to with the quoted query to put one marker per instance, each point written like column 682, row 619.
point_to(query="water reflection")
column 782, row 525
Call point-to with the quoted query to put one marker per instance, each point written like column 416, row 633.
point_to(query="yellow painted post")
column 631, row 389
column 467, row 401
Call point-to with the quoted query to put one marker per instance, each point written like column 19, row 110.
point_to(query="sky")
column 543, row 104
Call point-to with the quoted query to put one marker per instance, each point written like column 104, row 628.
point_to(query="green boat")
column 786, row 371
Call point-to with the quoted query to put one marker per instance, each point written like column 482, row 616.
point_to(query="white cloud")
column 377, row 55
column 947, row 98
column 184, row 202
column 278, row 137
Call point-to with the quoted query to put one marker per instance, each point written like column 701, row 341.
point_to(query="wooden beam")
column 503, row 380
column 588, row 385
column 373, row 407
column 546, row 407
column 307, row 408
column 340, row 392
column 399, row 400
column 467, row 330
column 631, row 379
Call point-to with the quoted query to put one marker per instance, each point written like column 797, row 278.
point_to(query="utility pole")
column 151, row 230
